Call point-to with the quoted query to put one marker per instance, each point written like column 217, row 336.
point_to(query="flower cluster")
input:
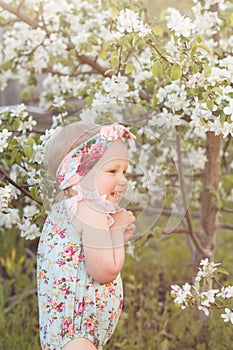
column 203, row 298
column 6, row 195
column 4, row 135
column 21, row 160
column 128, row 21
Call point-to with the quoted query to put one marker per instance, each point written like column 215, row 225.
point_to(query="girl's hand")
column 122, row 219
column 129, row 232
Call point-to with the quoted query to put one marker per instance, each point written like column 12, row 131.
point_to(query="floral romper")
column 71, row 304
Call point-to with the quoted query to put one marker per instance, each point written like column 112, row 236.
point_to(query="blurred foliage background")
column 149, row 319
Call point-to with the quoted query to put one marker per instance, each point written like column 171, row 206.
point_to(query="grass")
column 149, row 319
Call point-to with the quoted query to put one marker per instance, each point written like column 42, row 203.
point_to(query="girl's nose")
column 123, row 181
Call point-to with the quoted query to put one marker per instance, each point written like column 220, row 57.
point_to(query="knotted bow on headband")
column 80, row 161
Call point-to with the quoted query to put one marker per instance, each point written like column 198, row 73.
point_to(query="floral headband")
column 80, row 161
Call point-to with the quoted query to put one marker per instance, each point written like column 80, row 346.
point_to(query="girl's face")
column 110, row 175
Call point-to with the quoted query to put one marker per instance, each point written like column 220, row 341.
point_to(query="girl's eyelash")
column 114, row 171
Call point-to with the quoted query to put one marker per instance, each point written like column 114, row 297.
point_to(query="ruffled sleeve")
column 91, row 196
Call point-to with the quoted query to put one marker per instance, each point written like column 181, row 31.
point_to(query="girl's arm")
column 103, row 247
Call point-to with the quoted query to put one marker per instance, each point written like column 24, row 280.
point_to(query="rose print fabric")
column 71, row 304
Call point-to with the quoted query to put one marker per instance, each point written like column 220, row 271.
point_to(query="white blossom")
column 4, row 135
column 49, row 134
column 27, row 125
column 208, row 297
column 29, row 230
column 181, row 294
column 206, row 270
column 224, row 128
column 38, row 155
column 166, row 119
column 56, row 45
column 226, row 292
column 206, row 22
column 130, row 249
column 116, row 87
column 9, row 219
column 228, row 316
column 30, row 210
column 128, row 21
column 6, row 195
column 180, row 24
column 40, row 59
column 33, row 177
column 174, row 96
column 204, row 309
column 88, row 115
column 197, row 157
column 228, row 110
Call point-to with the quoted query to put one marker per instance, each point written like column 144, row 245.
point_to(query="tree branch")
column 176, row 230
column 12, row 182
column 226, row 210
column 17, row 13
column 226, row 226
column 185, row 202
column 162, row 211
column 83, row 58
column 105, row 72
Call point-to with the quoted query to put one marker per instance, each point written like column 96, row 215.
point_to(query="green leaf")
column 16, row 124
column 157, row 30
column 34, row 192
column 207, row 70
column 194, row 68
column 18, row 157
column 26, row 94
column 129, row 68
column 88, row 100
column 210, row 104
column 157, row 70
column 30, row 141
column 154, row 97
column 204, row 47
column 176, row 72
column 217, row 90
column 222, row 271
column 115, row 59
column 7, row 65
column 205, row 96
column 222, row 119
column 28, row 151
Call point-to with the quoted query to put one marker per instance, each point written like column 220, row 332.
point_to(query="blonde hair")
column 64, row 141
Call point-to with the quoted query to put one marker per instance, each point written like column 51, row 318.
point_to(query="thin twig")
column 17, row 13
column 12, row 182
column 226, row 210
column 160, row 54
column 226, row 226
column 185, row 202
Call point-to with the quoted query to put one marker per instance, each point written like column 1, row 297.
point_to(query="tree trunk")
column 210, row 197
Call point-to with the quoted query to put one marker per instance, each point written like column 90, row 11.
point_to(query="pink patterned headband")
column 80, row 161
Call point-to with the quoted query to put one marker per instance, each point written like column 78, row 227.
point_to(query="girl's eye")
column 113, row 171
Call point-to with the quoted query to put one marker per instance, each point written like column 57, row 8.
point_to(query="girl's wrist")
column 117, row 236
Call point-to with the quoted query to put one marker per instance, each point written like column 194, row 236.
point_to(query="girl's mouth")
column 116, row 194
